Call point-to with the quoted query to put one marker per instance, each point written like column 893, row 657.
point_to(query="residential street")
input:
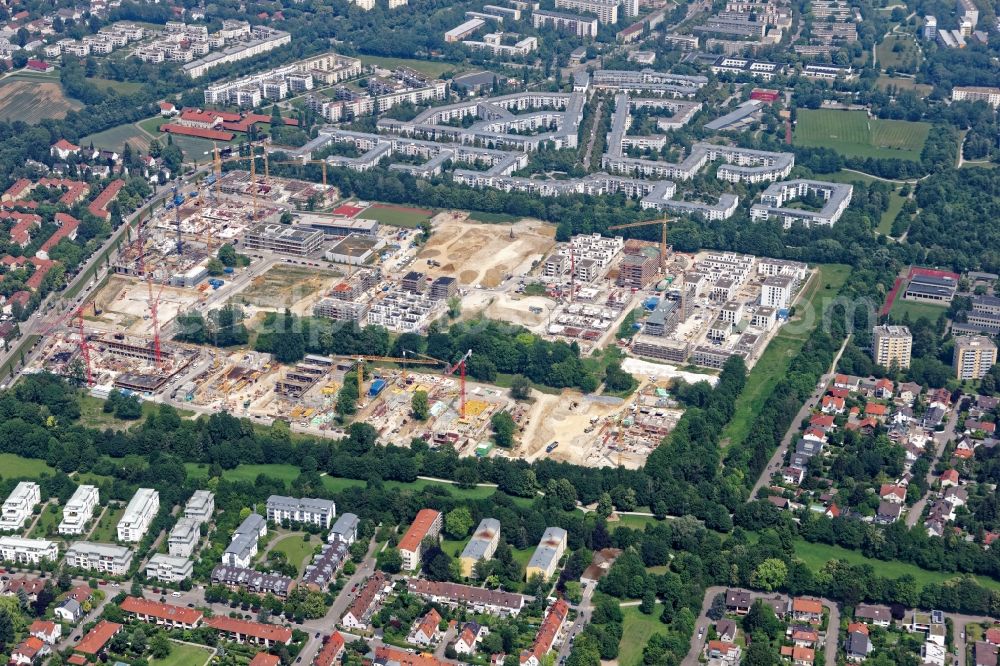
column 941, row 439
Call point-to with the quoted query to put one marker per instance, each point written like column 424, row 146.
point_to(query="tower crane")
column 303, row 162
column 219, row 161
column 663, row 237
column 450, row 369
column 361, row 360
column 76, row 316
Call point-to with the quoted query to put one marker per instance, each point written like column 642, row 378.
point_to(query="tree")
column 503, row 429
column 420, row 406
column 604, row 505
column 520, row 387
column 215, row 267
column 159, row 646
column 227, row 255
column 390, row 561
column 648, row 604
column 458, row 522
column 769, row 574
column 454, row 307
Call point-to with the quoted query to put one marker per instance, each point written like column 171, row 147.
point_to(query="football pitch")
column 854, row 134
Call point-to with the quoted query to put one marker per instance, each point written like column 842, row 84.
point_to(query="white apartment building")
column 168, row 568
column 79, row 509
column 27, row 551
column 19, row 505
column 104, row 557
column 184, row 537
column 974, row 356
column 892, row 344
column 138, row 515
column 776, row 292
column 605, row 10
column 305, row 510
column 201, row 506
column 976, row 94
column 262, row 40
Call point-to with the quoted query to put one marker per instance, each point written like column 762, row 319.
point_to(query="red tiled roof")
column 803, row 605
column 385, row 653
column 547, row 633
column 18, row 189
column 875, row 409
column 271, row 632
column 63, row 144
column 67, row 225
column 162, row 611
column 38, row 64
column 81, row 593
column 429, row 623
column 331, row 649
column 97, row 638
column 264, row 659
column 859, row 627
column 197, row 132
column 77, row 660
column 418, row 529
column 24, row 222
column 99, row 206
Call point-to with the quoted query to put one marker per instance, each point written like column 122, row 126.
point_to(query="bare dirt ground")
column 124, row 305
column 564, row 419
column 483, row 254
column 290, row 287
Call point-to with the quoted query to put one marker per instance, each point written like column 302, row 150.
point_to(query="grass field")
column 815, row 555
column 46, row 520
column 121, row 87
column 916, row 310
column 853, row 134
column 428, row 67
column 771, row 366
column 896, row 201
column 184, row 654
column 493, row 218
column 116, row 138
column 849, row 177
column 902, row 83
column 296, row 550
column 107, row 530
column 92, row 414
column 286, row 473
column 31, row 99
column 637, row 629
column 397, row 216
column 908, row 57
column 14, row 466
column 194, row 149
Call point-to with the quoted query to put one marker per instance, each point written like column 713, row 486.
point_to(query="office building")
column 545, row 559
column 19, row 505
column 974, row 356
column 892, row 345
column 243, row 547
column 139, row 513
column 27, row 551
column 283, row 239
column 79, row 510
column 169, row 568
column 102, row 557
column 427, row 524
column 201, row 506
column 184, row 537
column 481, row 546
column 311, row 511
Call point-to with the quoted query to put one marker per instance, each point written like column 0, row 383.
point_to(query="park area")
column 854, row 134
column 637, row 629
column 33, row 98
column 428, row 67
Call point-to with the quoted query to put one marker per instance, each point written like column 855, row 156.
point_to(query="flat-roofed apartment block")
column 79, row 509
column 341, row 310
column 19, row 504
column 139, row 513
column 345, row 529
column 662, row 321
column 974, row 356
column 481, row 546
column 892, row 344
column 27, row 551
column 295, row 241
column 776, row 291
column 301, row 510
column 169, row 568
column 103, row 557
column 443, row 288
column 605, row 10
column 665, row 349
column 184, row 537
column 836, row 197
column 636, row 271
column 976, row 94
column 200, row 506
column 427, row 524
column 545, row 559
column 581, row 26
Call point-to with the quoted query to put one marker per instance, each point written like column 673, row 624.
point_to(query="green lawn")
column 184, row 654
column 297, row 551
column 771, row 366
column 493, row 218
column 46, row 520
column 908, row 53
column 194, row 149
column 854, row 134
column 286, row 473
column 849, row 177
column 92, row 414
column 637, row 629
column 397, row 216
column 428, row 67
column 902, row 83
column 122, row 87
column 116, row 138
column 815, row 555
column 896, row 202
column 107, row 530
column 916, row 310
column 633, row 522
column 13, row 466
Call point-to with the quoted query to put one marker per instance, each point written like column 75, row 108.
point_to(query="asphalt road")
column 941, row 439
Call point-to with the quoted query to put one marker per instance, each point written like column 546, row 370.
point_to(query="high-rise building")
column 974, row 356
column 892, row 344
column 930, row 28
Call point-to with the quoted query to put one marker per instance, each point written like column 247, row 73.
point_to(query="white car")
column 175, row 594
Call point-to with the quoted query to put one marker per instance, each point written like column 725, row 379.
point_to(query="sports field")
column 397, row 216
column 915, row 309
column 854, row 134
column 32, row 99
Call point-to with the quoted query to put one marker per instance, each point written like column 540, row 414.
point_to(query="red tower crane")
column 449, row 369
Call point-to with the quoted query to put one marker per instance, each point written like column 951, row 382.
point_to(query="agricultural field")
column 854, row 134
column 116, row 138
column 397, row 216
column 32, row 99
column 428, row 67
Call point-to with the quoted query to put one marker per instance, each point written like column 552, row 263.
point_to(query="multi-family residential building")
column 262, row 40
column 184, row 537
column 427, row 524
column 776, row 291
column 476, row 599
column 836, row 198
column 139, row 513
column 976, row 94
column 892, row 345
column 481, row 546
column 169, row 568
column 165, row 615
column 79, row 509
column 345, row 529
column 201, row 506
column 19, row 505
column 605, row 10
column 305, row 510
column 581, row 26
column 973, row 357
column 103, row 557
column 283, row 239
column 27, row 551
column 550, row 550
column 254, row 582
column 243, row 547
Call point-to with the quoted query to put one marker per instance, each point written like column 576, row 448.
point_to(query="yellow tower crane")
column 663, row 237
